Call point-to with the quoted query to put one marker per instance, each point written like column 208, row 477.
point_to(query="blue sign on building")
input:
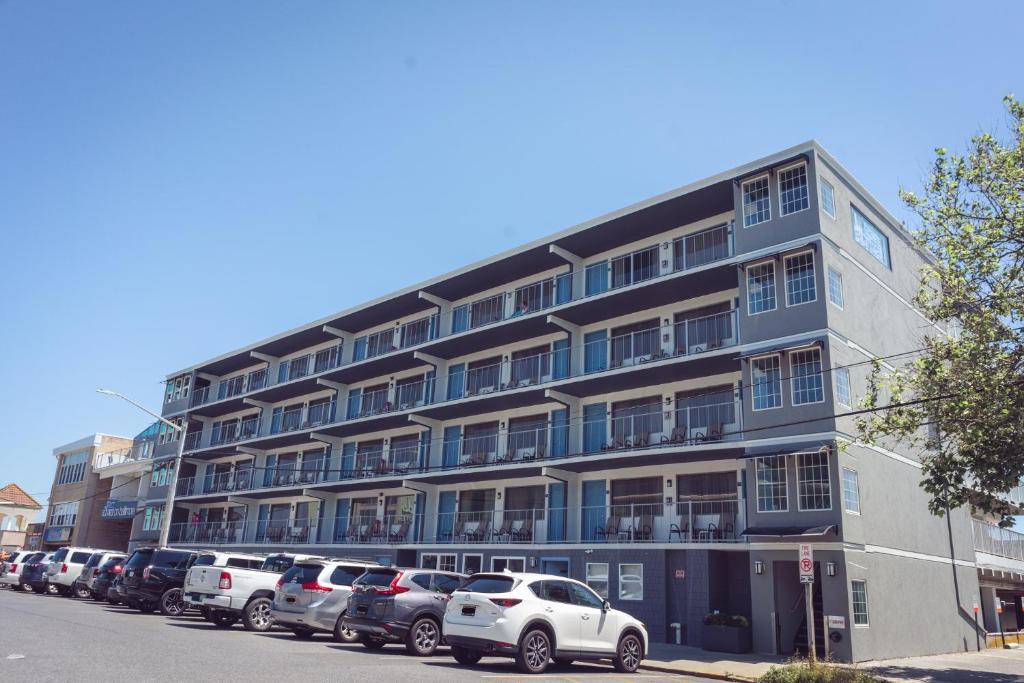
column 119, row 509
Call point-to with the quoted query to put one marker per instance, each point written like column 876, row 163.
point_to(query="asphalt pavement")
column 52, row 638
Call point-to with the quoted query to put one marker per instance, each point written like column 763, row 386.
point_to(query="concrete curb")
column 664, row 668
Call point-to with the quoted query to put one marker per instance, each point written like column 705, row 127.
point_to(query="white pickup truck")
column 228, row 586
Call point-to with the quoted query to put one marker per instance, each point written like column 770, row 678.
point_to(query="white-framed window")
column 446, row 562
column 828, row 197
column 757, row 203
column 851, row 491
column 513, row 564
column 835, row 287
column 72, row 468
column 597, row 578
column 859, row 597
column 772, row 487
column 800, row 287
column 152, row 518
column 805, row 371
column 814, row 489
column 472, row 563
column 844, row 395
column 631, row 581
column 170, row 391
column 871, row 238
column 177, row 388
column 761, row 288
column 64, row 514
column 793, row 189
column 765, row 382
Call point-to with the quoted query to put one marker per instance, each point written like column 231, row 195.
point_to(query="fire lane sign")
column 806, row 563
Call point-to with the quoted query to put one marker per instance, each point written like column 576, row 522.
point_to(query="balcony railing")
column 696, row 521
column 690, row 251
column 208, row 533
column 995, row 540
column 296, row 531
column 193, row 440
column 137, row 453
column 501, row 526
column 397, row 528
column 231, row 432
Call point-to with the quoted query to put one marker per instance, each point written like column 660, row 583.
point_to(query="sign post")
column 977, row 635
column 806, row 564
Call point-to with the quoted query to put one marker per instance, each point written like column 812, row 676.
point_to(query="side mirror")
column 605, row 606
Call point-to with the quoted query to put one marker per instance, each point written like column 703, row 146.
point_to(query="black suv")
column 153, row 578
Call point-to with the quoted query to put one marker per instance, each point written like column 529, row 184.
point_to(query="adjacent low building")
column 17, row 510
column 654, row 402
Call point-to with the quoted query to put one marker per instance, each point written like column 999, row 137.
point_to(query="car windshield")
column 140, row 558
column 302, row 573
column 277, row 564
column 487, row 584
column 344, row 575
column 59, row 555
column 376, row 577
column 205, row 561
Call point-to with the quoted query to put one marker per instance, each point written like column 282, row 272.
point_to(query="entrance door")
column 556, row 566
column 791, row 610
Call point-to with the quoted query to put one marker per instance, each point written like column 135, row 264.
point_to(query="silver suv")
column 407, row 606
column 313, row 594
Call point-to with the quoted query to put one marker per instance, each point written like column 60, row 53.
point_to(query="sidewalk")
column 682, row 659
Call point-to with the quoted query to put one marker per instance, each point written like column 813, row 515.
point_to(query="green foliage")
column 723, row 619
column 962, row 400
column 803, row 672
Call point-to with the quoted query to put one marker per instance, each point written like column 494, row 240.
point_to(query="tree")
column 962, row 399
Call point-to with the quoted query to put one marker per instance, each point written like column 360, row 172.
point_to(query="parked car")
column 247, row 594
column 313, row 596
column 100, row 584
column 65, row 568
column 153, row 579
column 82, row 588
column 10, row 574
column 390, row 605
column 33, row 572
column 211, row 569
column 113, row 595
column 536, row 618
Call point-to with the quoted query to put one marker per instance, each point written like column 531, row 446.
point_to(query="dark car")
column 33, row 575
column 112, row 597
column 105, row 577
column 407, row 606
column 153, row 578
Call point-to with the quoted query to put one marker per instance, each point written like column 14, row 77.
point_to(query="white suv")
column 535, row 618
column 65, row 568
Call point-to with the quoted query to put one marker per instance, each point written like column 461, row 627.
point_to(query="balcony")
column 139, row 452
column 390, row 529
column 208, row 533
column 995, row 540
column 691, row 521
column 287, row 532
column 388, row 351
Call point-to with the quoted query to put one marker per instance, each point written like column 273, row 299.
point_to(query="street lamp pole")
column 165, row 526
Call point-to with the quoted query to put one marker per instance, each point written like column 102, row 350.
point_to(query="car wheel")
column 629, row 654
column 206, row 613
column 223, row 619
column 172, row 603
column 112, row 601
column 26, row 587
column 463, row 655
column 82, row 592
column 302, row 632
column 256, row 615
column 144, row 606
column 343, row 634
column 534, row 652
column 371, row 643
column 97, row 597
column 423, row 638
column 52, row 589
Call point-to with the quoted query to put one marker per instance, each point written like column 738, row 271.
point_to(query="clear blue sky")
column 179, row 179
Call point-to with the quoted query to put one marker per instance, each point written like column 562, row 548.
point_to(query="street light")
column 165, row 526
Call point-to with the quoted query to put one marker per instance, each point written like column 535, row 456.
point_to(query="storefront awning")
column 802, row 532
column 786, row 449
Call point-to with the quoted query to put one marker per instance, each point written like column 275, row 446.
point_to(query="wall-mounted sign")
column 119, row 509
column 680, row 573
column 836, row 622
column 57, row 534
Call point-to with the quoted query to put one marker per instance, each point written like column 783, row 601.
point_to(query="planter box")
column 726, row 639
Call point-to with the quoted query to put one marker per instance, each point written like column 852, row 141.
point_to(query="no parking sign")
column 806, row 563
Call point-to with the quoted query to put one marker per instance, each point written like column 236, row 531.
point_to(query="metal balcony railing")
column 136, row 453
column 688, row 521
column 362, row 529
column 995, row 540
column 293, row 531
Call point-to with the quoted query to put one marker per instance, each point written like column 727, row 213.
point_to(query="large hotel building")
column 651, row 402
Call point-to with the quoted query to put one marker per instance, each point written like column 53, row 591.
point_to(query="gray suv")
column 407, row 606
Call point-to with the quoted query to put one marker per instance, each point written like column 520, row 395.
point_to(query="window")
column 761, row 288
column 631, row 582
column 772, row 493
column 766, row 389
column 805, row 369
column 793, row 189
column 859, row 592
column 513, row 564
column 637, row 497
column 871, row 238
column 597, row 578
column 828, row 197
column 72, row 468
column 487, row 584
column 757, row 206
column 152, row 518
column 421, row 580
column 800, row 279
column 814, row 490
column 446, row 583
column 64, row 514
column 446, row 562
column 162, row 474
column 844, row 395
column 344, row 575
column 472, row 563
column 851, row 491
column 835, row 287
column 553, row 591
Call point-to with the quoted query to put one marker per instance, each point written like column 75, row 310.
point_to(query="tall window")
column 835, row 287
column 814, row 490
column 793, row 189
column 597, row 578
column 772, row 491
column 800, row 279
column 766, row 383
column 152, row 518
column 871, row 238
column 72, row 468
column 631, row 582
column 761, row 288
column 828, row 197
column 756, row 202
column 859, row 593
column 851, row 491
column 805, row 368
column 844, row 395
column 64, row 514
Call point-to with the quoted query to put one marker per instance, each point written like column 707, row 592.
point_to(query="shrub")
column 803, row 672
column 722, row 619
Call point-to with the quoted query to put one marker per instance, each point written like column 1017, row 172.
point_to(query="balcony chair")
column 524, row 533
column 456, row 531
column 505, row 530
column 400, row 535
column 539, row 452
column 298, row 534
column 678, row 436
column 377, row 531
column 610, row 529
column 641, row 439
column 681, row 530
column 350, row 534
column 510, row 455
column 481, row 533
column 475, row 459
column 644, row 530
column 617, row 443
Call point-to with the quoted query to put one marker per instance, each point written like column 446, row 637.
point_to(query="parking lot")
column 56, row 638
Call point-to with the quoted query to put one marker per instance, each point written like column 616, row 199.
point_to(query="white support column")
column 989, row 601
column 440, row 366
column 429, row 491
column 335, row 442
column 578, row 268
column 436, row 434
column 272, row 363
column 444, row 310
column 207, row 430
column 574, row 406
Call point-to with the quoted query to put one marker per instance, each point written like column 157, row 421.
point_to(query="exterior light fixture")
column 758, row 567
column 830, row 568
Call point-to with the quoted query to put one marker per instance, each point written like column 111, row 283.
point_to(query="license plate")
column 289, row 599
column 468, row 611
